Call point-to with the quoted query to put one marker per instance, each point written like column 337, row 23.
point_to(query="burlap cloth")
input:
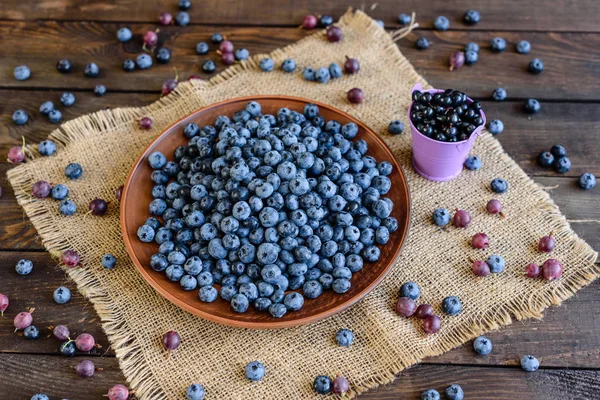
column 134, row 316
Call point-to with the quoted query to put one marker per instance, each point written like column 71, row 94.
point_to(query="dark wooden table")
column 565, row 34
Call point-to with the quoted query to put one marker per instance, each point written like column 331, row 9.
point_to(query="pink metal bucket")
column 440, row 161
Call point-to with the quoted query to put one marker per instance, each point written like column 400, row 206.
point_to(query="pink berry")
column 552, row 269
column 457, row 60
column 61, row 332
column 16, row 155
column 480, row 241
column 432, row 324
column 462, row 218
column 168, row 86
column 494, row 206
column 23, row 320
column 118, row 392
column 423, row 311
column 98, row 207
column 309, row 22
column 171, row 340
column 351, row 66
column 150, row 38
column 85, row 369
column 70, row 258
column 226, row 46
column 119, row 193
column 41, row 189
column 533, row 270
column 405, row 306
column 146, row 123
column 480, row 268
column 165, row 18
column 85, row 342
column 3, row 303
column 356, row 96
column 193, row 77
column 547, row 244
column 227, row 58
column 340, row 385
column 334, row 33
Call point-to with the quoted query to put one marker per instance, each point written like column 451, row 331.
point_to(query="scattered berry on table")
column 523, row 47
column 118, row 392
column 171, row 340
column 20, row 117
column 68, row 349
column 143, row 61
column 40, row 396
column 108, row 261
column 67, row 99
column 308, row 74
column 85, row 369
column 496, row 263
column 411, row 290
column 405, row 306
column 545, row 159
column 457, row 60
column 61, row 332
column 432, row 324
column 209, row 66
column 266, row 64
column 46, row 107
column 482, row 345
column 22, row 73
column 85, row 342
column 558, row 151
column 163, row 55
column 202, row 48
column 498, row 44
column 562, row 165
column 462, row 218
column 552, row 269
column 351, row 65
column 423, row 311
column 546, row 244
column 473, row 163
column 226, row 46
column 441, row 217
column 70, row 258
column 480, row 268
column 422, row 43
column 73, row 171
column 430, row 394
column 216, row 38
column 288, row 65
column 184, row 5
column 325, row 20
column 529, row 363
column 98, row 207
column 227, row 58
column 356, row 96
column 195, row 392
column 168, row 86
column 22, row 320
column 31, row 333
column 532, row 106
column 396, row 127
column 124, row 35
column 24, row 267
column 182, row 18
column 472, row 46
column 128, row 65
column 441, row 23
column 165, row 18
column 91, row 70
column 254, row 371
column 55, row 116
column 536, row 66
column 451, row 305
column 499, row 185
column 322, row 384
column 495, row 126
column 322, row 75
column 499, row 94
column 471, row 57
column 587, row 181
column 334, row 33
column 480, row 241
column 471, row 17
column 3, row 303
column 100, row 90
column 61, row 295
column 340, row 385
column 63, row 66
column 242, row 54
column 67, row 207
column 533, row 270
column 16, row 155
column 145, row 123
column 335, row 70
column 344, row 337
column 404, row 19
column 150, row 38
column 309, row 22
column 494, row 206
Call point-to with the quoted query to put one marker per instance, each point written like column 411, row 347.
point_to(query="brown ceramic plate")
column 137, row 196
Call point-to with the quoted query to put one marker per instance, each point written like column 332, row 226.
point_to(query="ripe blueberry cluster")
column 445, row 117
column 263, row 204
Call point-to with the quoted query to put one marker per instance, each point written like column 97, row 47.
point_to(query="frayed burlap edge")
column 130, row 354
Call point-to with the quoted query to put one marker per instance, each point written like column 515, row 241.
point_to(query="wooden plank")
column 477, row 382
column 568, row 74
column 514, row 14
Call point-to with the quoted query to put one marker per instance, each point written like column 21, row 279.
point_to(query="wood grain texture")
column 567, row 56
column 562, row 15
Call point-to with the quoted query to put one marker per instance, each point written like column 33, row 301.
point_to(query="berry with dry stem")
column 3, row 303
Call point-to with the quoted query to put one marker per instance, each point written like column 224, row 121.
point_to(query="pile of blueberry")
column 445, row 117
column 261, row 204
column 555, row 158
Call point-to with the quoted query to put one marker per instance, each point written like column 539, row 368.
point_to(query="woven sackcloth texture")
column 134, row 316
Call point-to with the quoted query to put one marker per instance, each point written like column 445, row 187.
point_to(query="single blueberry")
column 452, row 305
column 482, row 345
column 473, row 163
column 124, row 35
column 411, row 290
column 344, row 337
column 61, row 295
